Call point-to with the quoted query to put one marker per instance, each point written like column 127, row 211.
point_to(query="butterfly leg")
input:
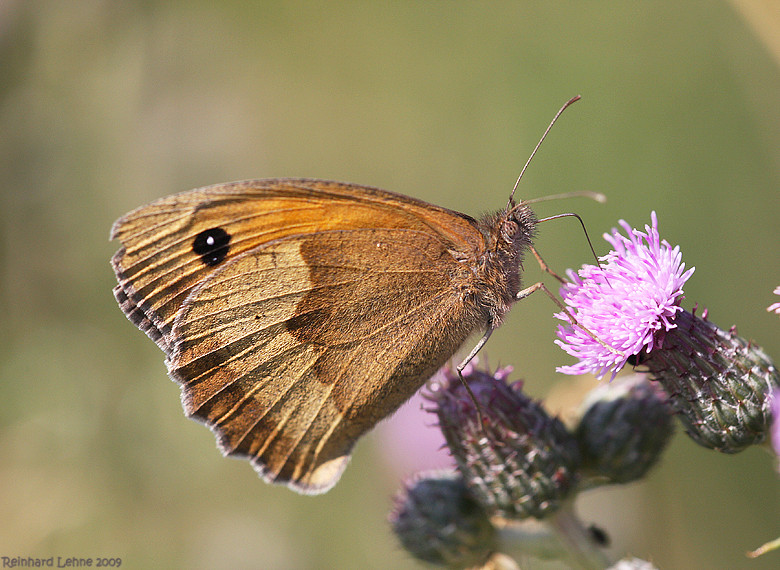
column 544, row 266
column 465, row 363
column 536, row 286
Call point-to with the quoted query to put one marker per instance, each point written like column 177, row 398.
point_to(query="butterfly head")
column 515, row 228
column 508, row 235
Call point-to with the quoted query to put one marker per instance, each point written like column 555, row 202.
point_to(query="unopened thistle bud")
column 719, row 383
column 438, row 521
column 624, row 428
column 520, row 462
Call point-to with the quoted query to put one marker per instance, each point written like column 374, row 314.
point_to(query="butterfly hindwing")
column 295, row 349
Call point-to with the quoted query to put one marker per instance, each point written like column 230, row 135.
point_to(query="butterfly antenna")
column 527, row 162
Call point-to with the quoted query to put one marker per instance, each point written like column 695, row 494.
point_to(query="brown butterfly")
column 296, row 314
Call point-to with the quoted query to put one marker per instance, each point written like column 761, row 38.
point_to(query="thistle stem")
column 581, row 548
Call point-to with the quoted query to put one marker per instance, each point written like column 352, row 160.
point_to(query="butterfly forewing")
column 296, row 313
column 159, row 263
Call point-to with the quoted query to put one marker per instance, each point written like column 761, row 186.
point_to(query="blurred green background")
column 105, row 105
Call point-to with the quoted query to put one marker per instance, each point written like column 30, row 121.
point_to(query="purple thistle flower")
column 775, row 307
column 718, row 383
column 627, row 302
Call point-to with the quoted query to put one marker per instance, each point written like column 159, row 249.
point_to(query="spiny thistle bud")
column 438, row 521
column 719, row 383
column 624, row 428
column 520, row 462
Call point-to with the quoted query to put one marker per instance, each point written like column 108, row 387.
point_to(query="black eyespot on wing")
column 212, row 246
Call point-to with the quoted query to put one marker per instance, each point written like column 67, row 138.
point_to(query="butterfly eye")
column 212, row 246
column 509, row 229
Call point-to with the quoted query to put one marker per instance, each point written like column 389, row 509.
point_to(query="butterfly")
column 295, row 314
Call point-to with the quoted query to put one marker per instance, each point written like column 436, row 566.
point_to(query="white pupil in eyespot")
column 210, row 240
